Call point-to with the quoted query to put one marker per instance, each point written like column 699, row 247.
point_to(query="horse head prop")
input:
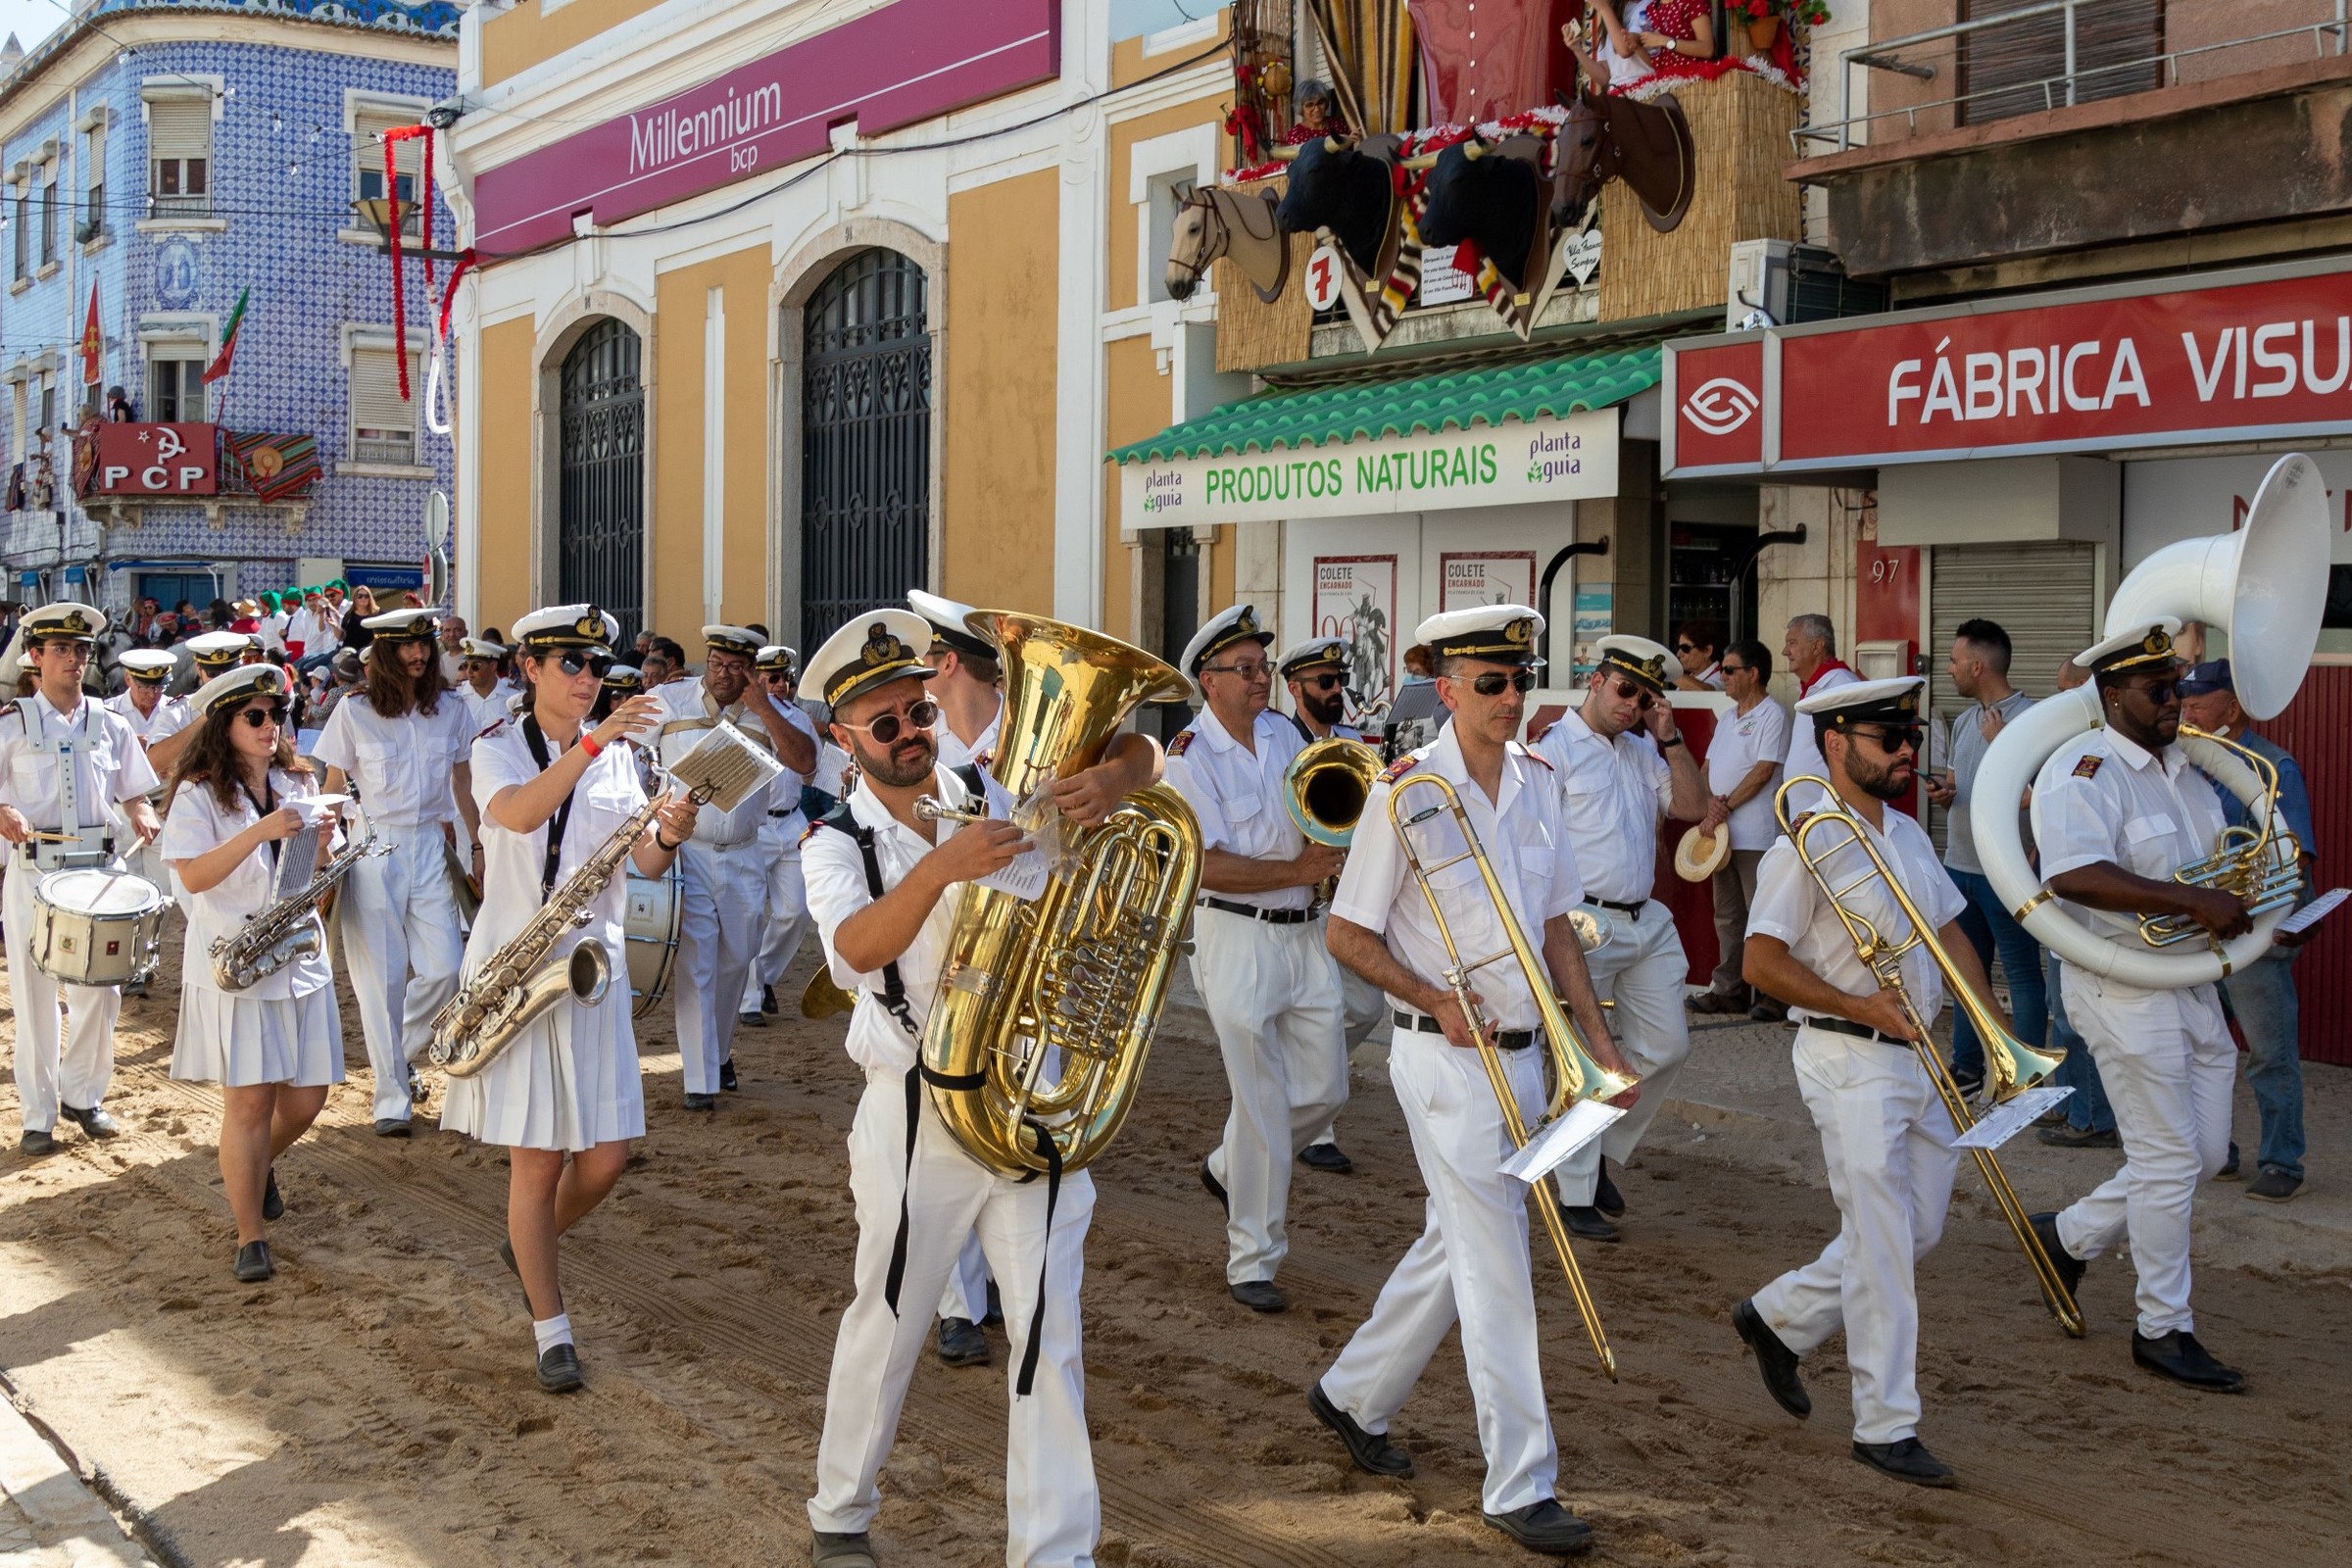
column 1648, row 145
column 1213, row 223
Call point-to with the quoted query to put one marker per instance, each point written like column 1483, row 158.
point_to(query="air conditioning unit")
column 1777, row 282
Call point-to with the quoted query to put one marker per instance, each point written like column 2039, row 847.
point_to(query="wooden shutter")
column 179, row 127
column 379, row 419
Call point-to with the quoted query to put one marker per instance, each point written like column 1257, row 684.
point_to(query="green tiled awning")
column 1369, row 410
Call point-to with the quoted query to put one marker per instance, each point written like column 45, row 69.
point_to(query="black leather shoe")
column 728, row 1083
column 767, row 1000
column 1905, row 1459
column 1216, row 1190
column 1372, row 1451
column 253, row 1262
column 2177, row 1355
column 2274, row 1186
column 1605, row 1196
column 702, row 1101
column 1259, row 1296
column 391, row 1127
column 1545, row 1527
column 94, row 1122
column 1587, row 1223
column 273, row 1203
column 419, row 1090
column 2068, row 1136
column 827, row 1549
column 961, row 1344
column 2070, row 1267
column 2227, row 1172
column 1776, row 1362
column 752, row 1018
column 995, row 1316
column 1327, row 1158
column 560, row 1369
column 1970, row 1084
column 36, row 1145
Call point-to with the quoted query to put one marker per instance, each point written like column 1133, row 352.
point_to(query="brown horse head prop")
column 1648, row 145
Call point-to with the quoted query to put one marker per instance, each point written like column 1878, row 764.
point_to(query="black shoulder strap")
column 536, row 739
column 1304, row 734
column 970, row 774
column 894, row 989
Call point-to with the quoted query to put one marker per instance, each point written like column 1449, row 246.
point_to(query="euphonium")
column 2010, row 1064
column 2262, row 867
column 1325, row 788
column 1071, row 984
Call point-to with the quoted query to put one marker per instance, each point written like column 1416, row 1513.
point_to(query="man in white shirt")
column 776, row 669
column 1259, row 963
column 68, row 766
column 1471, row 1265
column 968, row 683
column 1743, row 772
column 485, row 691
column 2116, row 812
column 1885, row 1129
column 161, row 723
column 1811, row 650
column 309, row 630
column 723, row 877
column 1623, row 769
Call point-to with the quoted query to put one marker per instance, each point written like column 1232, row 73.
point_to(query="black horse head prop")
column 1491, row 194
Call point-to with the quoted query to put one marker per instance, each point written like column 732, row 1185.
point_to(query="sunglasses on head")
column 1493, row 683
column 886, row 729
column 261, row 713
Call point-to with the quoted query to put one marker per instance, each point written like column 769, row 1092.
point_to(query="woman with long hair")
column 552, row 791
column 356, row 631
column 277, row 1047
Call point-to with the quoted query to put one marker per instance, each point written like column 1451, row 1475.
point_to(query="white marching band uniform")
column 787, row 904
column 171, row 715
column 282, row 1029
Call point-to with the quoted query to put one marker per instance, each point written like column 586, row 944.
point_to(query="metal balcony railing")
column 2049, row 56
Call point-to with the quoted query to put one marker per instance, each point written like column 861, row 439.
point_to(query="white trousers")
column 402, row 949
column 1889, row 1143
column 1273, row 995
column 73, row 1066
column 1642, row 968
column 1471, row 1265
column 1362, row 1010
column 718, row 931
column 1053, row 1507
column 786, row 922
column 966, row 1295
column 2170, row 1067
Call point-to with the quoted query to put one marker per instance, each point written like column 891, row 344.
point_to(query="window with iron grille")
column 600, row 527
column 866, row 441
column 2021, row 68
column 180, row 155
column 175, row 388
column 383, row 425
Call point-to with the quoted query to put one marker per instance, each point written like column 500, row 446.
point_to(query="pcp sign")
column 157, row 460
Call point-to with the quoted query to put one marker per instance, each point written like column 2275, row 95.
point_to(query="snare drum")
column 97, row 926
column 655, row 904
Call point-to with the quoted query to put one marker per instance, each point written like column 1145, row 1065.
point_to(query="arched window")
column 600, row 532
column 866, row 441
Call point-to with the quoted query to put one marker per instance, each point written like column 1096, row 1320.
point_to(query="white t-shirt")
column 1613, row 794
column 1741, row 741
column 1790, row 905
column 1238, row 795
column 196, row 825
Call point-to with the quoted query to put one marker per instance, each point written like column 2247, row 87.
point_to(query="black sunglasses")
column 1321, row 683
column 576, row 660
column 1493, row 682
column 263, row 713
column 1641, row 697
column 2159, row 692
column 1893, row 737
column 1686, row 648
column 886, row 729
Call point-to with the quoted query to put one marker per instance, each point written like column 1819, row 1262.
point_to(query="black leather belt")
column 1634, row 911
column 1422, row 1023
column 787, row 813
column 1270, row 916
column 1847, row 1027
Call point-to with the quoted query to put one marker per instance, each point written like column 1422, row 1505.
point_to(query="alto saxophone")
column 286, row 930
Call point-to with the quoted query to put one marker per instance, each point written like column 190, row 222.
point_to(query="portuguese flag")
column 229, row 340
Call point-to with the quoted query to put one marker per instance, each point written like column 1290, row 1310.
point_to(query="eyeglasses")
column 262, row 714
column 1321, row 683
column 1730, row 670
column 1493, row 682
column 1891, row 739
column 886, row 729
column 1641, row 697
column 576, row 660
column 1257, row 669
column 1686, row 648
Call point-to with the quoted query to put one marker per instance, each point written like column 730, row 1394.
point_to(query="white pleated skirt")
column 236, row 1041
column 569, row 1082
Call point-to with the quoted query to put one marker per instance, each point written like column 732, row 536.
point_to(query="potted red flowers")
column 1764, row 18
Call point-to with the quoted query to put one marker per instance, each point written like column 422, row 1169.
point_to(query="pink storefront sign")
column 906, row 62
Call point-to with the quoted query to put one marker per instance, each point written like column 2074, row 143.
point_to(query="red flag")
column 93, row 342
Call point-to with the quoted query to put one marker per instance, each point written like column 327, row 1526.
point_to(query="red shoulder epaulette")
column 1538, row 758
column 1184, row 739
column 985, row 760
column 7, row 706
column 492, row 731
column 808, row 832
column 2089, row 767
column 1398, row 769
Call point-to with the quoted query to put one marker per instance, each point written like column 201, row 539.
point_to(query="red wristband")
column 591, row 745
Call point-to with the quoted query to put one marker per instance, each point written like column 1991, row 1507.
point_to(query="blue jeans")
column 2086, row 1108
column 2261, row 997
column 1990, row 929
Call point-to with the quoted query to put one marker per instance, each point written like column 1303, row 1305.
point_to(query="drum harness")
column 57, row 857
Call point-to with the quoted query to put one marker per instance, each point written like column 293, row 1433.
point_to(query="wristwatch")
column 1671, row 741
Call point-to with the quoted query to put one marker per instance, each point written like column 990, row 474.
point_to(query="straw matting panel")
column 1739, row 126
column 1251, row 334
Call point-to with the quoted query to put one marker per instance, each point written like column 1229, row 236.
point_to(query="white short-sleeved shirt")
column 952, row 752
column 784, row 791
column 484, row 711
column 833, row 870
column 274, row 630
column 513, row 864
column 688, row 714
column 1804, row 745
column 108, row 763
column 405, row 768
column 1526, row 842
column 1789, row 904
column 1238, row 795
column 171, row 716
column 1613, row 794
column 196, row 825
column 1741, row 741
column 2102, row 797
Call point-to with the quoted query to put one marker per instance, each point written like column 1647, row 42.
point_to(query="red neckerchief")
column 1814, row 679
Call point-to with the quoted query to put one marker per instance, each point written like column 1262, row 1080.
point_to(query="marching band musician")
column 214, row 653
column 161, row 722
column 1315, row 671
column 1622, row 768
column 277, row 1047
column 404, row 741
column 67, row 763
column 967, row 683
column 1884, row 1131
column 551, row 792
column 776, row 669
column 723, row 880
column 1263, row 971
column 2116, row 812
column 1471, row 1263
column 883, row 885
column 486, row 693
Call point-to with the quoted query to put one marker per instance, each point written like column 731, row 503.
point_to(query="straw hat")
column 1700, row 856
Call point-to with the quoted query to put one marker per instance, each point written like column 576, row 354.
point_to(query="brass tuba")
column 1071, row 984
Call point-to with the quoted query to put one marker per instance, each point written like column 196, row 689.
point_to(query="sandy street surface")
column 374, row 1404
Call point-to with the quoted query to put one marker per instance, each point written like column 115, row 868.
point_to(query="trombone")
column 1575, row 1075
column 2010, row 1064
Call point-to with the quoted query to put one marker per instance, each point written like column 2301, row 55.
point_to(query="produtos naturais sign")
column 1511, row 464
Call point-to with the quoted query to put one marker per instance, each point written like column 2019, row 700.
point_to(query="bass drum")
column 651, row 924
column 96, row 926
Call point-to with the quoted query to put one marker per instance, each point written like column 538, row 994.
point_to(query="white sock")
column 552, row 1331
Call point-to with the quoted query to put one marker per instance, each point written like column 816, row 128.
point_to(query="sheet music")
column 298, row 853
column 2314, row 913
column 1552, row 1144
column 2010, row 1117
